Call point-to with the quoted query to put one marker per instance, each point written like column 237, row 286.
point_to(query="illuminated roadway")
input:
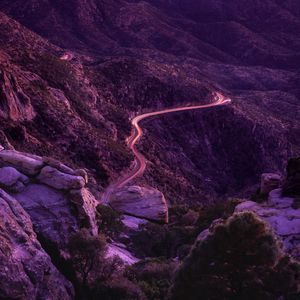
column 137, row 132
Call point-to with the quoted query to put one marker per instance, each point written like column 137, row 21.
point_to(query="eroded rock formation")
column 26, row 270
column 52, row 194
column 147, row 203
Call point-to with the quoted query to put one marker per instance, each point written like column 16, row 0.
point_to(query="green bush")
column 109, row 220
column 240, row 259
column 153, row 276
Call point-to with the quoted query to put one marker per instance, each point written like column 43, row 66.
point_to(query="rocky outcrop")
column 28, row 164
column 26, row 270
column 53, row 194
column 291, row 186
column 269, row 182
column 147, row 203
column 12, row 179
column 282, row 217
column 60, row 180
column 15, row 104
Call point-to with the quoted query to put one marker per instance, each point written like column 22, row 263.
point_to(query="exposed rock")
column 60, row 180
column 25, row 163
column 269, row 182
column 133, row 223
column 282, row 217
column 86, row 208
column 16, row 104
column 119, row 250
column 58, row 165
column 26, row 271
column 141, row 202
column 291, row 186
column 53, row 216
column 83, row 173
column 10, row 176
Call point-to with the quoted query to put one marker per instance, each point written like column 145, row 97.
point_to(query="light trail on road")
column 140, row 161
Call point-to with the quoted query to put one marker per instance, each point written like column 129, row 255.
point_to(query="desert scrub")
column 109, row 220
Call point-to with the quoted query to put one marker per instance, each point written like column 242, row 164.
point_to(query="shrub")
column 240, row 259
column 87, row 253
column 109, row 220
column 153, row 276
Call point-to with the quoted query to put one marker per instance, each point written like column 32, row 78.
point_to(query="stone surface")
column 25, row 163
column 281, row 216
column 26, row 270
column 269, row 182
column 86, row 205
column 10, row 176
column 51, row 212
column 133, row 223
column 60, row 180
column 141, row 202
column 119, row 250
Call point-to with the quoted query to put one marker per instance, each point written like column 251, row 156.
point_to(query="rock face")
column 147, row 203
column 269, row 182
column 292, row 184
column 26, row 270
column 25, row 163
column 53, row 195
column 16, row 104
column 51, row 213
column 282, row 217
column 12, row 179
column 60, row 180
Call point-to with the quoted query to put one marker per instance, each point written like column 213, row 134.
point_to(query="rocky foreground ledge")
column 43, row 202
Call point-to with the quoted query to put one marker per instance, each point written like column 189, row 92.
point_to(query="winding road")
column 137, row 132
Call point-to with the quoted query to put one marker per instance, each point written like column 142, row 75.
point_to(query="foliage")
column 87, row 253
column 154, row 276
column 240, row 259
column 109, row 220
column 220, row 210
column 175, row 239
column 154, row 240
column 259, row 197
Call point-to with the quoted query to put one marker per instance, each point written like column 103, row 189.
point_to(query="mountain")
column 135, row 55
column 76, row 76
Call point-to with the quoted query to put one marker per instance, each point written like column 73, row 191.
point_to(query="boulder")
column 279, row 213
column 269, row 182
column 86, row 205
column 52, row 213
column 9, row 176
column 26, row 270
column 58, row 165
column 291, row 186
column 28, row 164
column 60, row 180
column 147, row 203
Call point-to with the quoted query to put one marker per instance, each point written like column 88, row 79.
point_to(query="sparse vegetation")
column 109, row 220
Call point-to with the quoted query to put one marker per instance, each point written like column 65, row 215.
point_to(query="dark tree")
column 240, row 259
column 87, row 254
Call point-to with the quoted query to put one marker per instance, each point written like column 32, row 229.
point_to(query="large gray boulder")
column 147, row 203
column 282, row 217
column 26, row 270
column 25, row 163
column 60, row 180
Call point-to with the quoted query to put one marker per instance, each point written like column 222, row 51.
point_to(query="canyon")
column 121, row 103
